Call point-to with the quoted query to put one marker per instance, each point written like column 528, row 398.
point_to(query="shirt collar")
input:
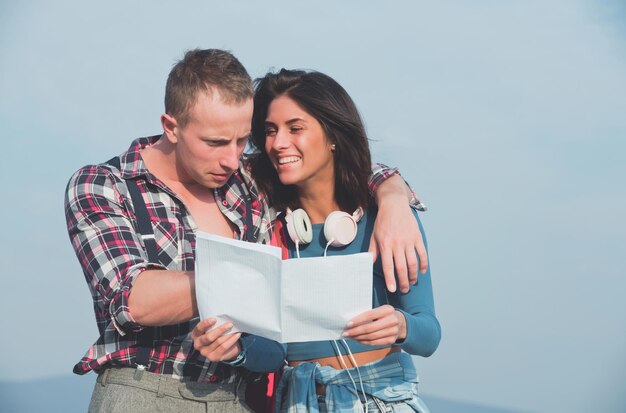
column 131, row 162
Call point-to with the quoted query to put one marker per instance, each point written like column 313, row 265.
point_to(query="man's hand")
column 396, row 237
column 381, row 326
column 215, row 345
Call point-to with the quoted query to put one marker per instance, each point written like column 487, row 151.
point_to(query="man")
column 141, row 280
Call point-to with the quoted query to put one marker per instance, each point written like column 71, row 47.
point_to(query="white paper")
column 305, row 299
column 228, row 272
column 321, row 294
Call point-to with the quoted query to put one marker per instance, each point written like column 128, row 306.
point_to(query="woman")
column 313, row 144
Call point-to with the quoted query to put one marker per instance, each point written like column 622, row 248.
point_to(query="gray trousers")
column 131, row 390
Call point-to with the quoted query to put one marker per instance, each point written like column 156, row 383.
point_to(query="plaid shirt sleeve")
column 380, row 173
column 101, row 230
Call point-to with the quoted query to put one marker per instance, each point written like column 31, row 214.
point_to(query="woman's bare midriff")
column 361, row 359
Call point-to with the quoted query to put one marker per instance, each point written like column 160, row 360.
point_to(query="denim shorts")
column 375, row 405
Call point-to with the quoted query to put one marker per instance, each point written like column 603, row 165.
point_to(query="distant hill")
column 71, row 394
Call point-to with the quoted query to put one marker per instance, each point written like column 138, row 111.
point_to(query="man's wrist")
column 391, row 198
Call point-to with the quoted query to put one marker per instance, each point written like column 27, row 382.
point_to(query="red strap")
column 279, row 238
column 270, row 385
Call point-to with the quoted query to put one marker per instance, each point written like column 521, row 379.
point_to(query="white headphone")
column 339, row 227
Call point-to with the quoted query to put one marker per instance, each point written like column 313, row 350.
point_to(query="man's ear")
column 170, row 127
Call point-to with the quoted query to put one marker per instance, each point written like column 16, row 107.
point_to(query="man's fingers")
column 373, row 247
column 388, row 269
column 411, row 263
column 399, row 258
column 422, row 255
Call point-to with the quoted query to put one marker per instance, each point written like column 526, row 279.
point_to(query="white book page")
column 253, row 246
column 239, row 281
column 320, row 295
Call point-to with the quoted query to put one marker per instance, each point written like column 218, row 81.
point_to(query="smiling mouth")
column 288, row 160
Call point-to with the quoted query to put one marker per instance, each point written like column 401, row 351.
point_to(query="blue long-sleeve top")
column 260, row 355
column 417, row 306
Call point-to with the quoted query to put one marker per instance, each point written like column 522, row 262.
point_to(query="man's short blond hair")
column 205, row 71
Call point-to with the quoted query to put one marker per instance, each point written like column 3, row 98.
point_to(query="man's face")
column 209, row 146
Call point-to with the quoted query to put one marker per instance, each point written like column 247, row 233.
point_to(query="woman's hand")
column 381, row 326
column 215, row 345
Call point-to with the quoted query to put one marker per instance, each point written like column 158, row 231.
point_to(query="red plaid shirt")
column 103, row 229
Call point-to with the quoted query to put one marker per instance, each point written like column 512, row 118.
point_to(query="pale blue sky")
column 507, row 117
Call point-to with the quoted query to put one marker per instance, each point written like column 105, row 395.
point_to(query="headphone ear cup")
column 299, row 226
column 340, row 227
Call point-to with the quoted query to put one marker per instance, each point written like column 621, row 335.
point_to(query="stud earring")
column 333, row 147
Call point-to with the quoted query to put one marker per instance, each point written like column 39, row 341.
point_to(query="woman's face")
column 297, row 145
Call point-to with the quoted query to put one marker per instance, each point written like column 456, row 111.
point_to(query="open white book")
column 294, row 300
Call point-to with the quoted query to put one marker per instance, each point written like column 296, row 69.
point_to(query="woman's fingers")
column 208, row 337
column 216, row 344
column 379, row 323
column 202, row 327
column 371, row 315
column 379, row 338
column 229, row 349
column 374, row 329
column 223, row 348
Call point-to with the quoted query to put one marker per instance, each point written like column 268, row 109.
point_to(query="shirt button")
column 224, row 203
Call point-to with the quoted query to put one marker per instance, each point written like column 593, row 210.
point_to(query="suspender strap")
column 146, row 337
column 143, row 221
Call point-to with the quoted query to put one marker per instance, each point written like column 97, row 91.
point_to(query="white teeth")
column 288, row 159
